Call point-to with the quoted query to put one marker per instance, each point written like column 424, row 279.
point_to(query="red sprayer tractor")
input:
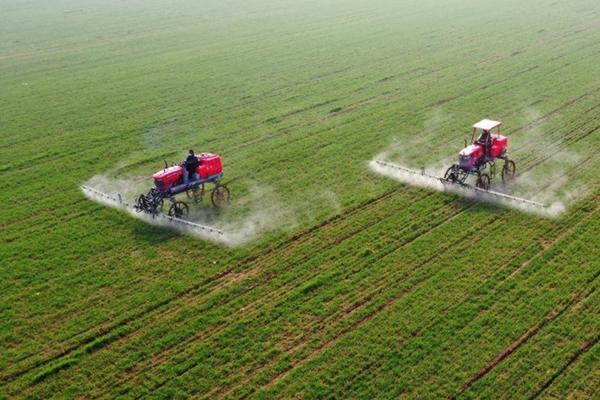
column 488, row 151
column 170, row 182
column 480, row 157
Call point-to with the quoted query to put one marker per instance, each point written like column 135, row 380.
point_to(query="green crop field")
column 353, row 285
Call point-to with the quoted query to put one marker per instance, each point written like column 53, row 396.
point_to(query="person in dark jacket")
column 190, row 167
column 485, row 139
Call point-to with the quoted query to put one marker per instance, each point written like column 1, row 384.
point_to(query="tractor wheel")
column 483, row 182
column 450, row 175
column 141, row 204
column 196, row 193
column 156, row 199
column 508, row 171
column 178, row 209
column 220, row 196
column 492, row 166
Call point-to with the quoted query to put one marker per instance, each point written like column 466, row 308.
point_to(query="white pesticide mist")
column 426, row 180
column 264, row 212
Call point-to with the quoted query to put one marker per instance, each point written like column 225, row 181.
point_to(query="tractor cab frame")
column 486, row 125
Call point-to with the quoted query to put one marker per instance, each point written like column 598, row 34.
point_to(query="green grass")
column 368, row 288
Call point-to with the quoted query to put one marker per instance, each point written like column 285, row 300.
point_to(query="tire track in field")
column 356, row 306
column 584, row 348
column 249, row 308
column 215, row 287
column 550, row 317
column 384, row 285
column 285, row 289
column 420, row 331
column 270, row 251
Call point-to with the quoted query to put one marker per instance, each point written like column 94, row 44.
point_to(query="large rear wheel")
column 508, row 171
column 220, row 196
column 179, row 209
column 483, row 182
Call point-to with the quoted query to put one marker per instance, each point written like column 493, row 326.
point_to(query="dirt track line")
column 381, row 256
column 420, row 331
column 287, row 243
column 375, row 363
column 551, row 316
column 377, row 290
column 584, row 348
column 94, row 335
column 547, row 246
column 267, row 278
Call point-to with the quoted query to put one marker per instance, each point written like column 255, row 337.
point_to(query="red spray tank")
column 210, row 166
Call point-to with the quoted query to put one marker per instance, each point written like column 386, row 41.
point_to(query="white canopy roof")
column 487, row 124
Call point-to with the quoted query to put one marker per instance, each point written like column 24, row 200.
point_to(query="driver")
column 190, row 167
column 484, row 140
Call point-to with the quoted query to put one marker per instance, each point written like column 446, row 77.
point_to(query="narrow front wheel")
column 178, row 209
column 483, row 182
column 450, row 175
